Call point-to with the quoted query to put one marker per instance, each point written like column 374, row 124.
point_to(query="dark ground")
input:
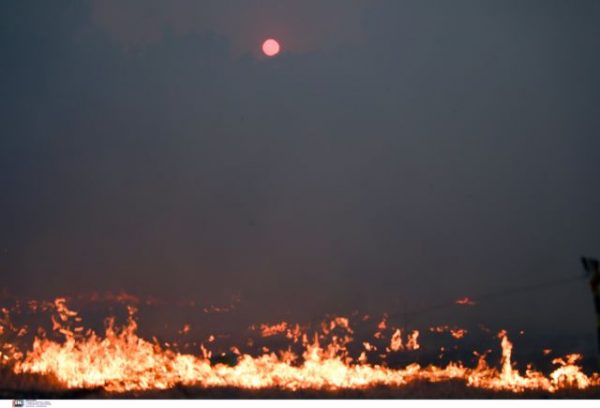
column 422, row 390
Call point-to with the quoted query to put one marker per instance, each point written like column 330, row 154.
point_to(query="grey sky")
column 395, row 153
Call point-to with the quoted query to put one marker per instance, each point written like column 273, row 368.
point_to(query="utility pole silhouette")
column 592, row 270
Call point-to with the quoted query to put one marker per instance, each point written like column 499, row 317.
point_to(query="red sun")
column 271, row 47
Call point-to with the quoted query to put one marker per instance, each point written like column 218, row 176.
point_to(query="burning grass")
column 323, row 362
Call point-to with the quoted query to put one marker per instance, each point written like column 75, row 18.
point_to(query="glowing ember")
column 458, row 333
column 267, row 331
column 465, row 302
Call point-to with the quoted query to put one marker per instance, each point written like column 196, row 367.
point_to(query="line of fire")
column 47, row 346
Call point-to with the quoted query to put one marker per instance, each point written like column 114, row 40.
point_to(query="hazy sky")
column 395, row 153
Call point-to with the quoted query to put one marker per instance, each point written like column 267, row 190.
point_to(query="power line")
column 483, row 297
column 494, row 295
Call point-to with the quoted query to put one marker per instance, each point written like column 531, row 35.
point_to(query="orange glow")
column 396, row 342
column 412, row 343
column 267, row 331
column 458, row 333
column 271, row 47
column 465, row 301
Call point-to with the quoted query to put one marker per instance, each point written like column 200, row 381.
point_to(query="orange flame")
column 272, row 330
column 458, row 333
column 396, row 342
column 120, row 360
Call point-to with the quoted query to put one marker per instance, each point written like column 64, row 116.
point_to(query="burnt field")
column 420, row 390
